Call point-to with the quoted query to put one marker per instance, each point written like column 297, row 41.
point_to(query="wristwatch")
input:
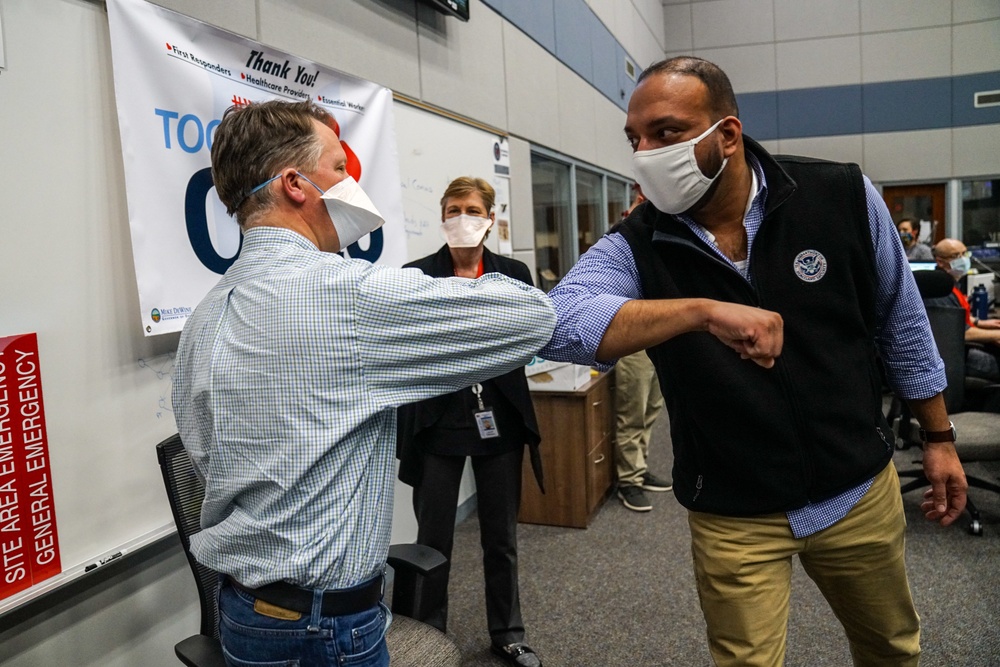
column 939, row 436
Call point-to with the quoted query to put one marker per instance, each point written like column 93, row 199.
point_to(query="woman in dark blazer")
column 490, row 423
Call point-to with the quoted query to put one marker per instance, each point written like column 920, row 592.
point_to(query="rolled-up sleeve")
column 903, row 335
column 588, row 298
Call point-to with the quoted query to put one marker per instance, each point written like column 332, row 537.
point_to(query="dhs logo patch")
column 810, row 265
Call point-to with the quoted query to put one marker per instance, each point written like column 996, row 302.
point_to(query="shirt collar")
column 263, row 236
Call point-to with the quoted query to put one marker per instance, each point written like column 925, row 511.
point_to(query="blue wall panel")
column 536, row 18
column 919, row 104
column 604, row 50
column 819, row 112
column 573, row 30
column 963, row 89
column 759, row 115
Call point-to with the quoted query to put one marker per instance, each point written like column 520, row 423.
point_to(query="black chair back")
column 186, row 493
column 948, row 328
column 933, row 284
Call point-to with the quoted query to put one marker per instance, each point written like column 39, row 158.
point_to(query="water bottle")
column 980, row 305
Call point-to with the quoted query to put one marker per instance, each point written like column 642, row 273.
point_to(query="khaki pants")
column 638, row 403
column 743, row 570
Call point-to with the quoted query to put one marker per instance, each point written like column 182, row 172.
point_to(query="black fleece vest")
column 749, row 440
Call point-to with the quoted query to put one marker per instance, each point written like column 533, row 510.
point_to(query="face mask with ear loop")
column 959, row 267
column 351, row 211
column 670, row 176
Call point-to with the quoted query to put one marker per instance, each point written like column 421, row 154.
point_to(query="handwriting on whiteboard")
column 420, row 207
column 163, row 368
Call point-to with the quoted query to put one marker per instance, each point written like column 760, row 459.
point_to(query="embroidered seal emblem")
column 810, row 265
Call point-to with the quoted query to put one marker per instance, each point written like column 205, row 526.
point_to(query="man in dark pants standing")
column 740, row 251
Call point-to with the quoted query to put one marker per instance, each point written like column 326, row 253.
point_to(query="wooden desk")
column 577, row 450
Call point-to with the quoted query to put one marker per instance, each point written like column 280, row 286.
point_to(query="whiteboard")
column 66, row 273
column 433, row 151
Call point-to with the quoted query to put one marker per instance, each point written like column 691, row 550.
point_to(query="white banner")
column 174, row 78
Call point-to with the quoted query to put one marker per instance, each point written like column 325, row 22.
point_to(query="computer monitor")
column 923, row 266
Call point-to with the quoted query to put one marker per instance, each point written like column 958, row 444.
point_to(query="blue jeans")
column 252, row 639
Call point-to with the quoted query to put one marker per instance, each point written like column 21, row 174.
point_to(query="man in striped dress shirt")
column 287, row 379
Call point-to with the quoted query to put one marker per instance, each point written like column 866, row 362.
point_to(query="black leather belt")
column 335, row 602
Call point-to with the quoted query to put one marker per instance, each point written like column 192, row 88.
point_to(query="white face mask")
column 352, row 212
column 465, row 231
column 670, row 177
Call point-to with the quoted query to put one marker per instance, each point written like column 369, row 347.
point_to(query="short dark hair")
column 254, row 142
column 722, row 99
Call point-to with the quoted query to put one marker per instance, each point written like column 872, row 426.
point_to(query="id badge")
column 487, row 424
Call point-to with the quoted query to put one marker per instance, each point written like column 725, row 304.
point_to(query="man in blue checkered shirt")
column 287, row 379
column 790, row 455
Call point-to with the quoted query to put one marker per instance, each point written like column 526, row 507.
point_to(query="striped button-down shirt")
column 589, row 296
column 286, row 383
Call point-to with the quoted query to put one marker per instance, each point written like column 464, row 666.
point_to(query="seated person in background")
column 286, row 382
column 952, row 256
column 489, row 422
column 915, row 251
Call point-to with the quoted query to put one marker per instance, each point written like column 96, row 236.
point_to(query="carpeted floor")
column 621, row 593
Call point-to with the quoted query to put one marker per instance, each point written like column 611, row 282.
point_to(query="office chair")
column 978, row 432
column 410, row 642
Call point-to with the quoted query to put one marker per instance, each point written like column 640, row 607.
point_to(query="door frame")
column 938, row 193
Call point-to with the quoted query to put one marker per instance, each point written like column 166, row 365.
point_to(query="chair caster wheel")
column 976, row 528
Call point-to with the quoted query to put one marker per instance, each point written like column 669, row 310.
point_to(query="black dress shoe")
column 517, row 654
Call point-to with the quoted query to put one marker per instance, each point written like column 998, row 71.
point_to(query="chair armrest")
column 418, row 572
column 200, row 651
column 415, row 558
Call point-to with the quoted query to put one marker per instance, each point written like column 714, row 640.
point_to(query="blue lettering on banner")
column 201, row 132
column 167, row 116
column 182, row 128
column 374, row 251
column 197, row 223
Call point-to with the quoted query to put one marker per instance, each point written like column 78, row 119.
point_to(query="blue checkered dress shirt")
column 589, row 296
column 286, row 383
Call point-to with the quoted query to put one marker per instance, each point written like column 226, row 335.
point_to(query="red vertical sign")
column 29, row 542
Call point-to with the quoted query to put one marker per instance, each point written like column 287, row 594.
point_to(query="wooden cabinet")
column 577, row 452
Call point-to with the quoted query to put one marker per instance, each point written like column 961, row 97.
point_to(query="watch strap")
column 948, row 435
